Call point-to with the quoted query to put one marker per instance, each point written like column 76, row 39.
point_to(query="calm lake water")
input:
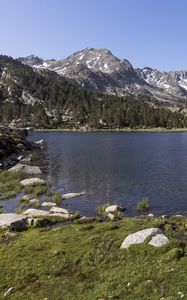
column 118, row 167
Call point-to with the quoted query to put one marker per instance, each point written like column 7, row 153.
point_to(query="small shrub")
column 143, row 205
column 101, row 209
column 57, row 198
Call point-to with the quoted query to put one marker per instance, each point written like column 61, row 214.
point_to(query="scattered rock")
column 111, row 216
column 139, row 237
column 26, row 169
column 34, row 201
column 9, row 234
column 72, row 195
column 113, row 208
column 61, row 215
column 48, row 203
column 59, row 210
column 32, row 181
column 13, row 221
column 158, row 240
column 40, row 142
column 8, row 291
column 26, row 197
column 32, row 212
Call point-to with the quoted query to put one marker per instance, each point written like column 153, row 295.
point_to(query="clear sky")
column 146, row 32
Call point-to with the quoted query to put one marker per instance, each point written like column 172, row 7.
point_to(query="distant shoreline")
column 135, row 130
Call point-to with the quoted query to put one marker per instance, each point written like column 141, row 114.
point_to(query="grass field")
column 85, row 262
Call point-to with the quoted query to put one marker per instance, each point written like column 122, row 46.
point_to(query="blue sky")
column 146, row 32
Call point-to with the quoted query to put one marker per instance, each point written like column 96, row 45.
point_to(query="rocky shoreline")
column 14, row 146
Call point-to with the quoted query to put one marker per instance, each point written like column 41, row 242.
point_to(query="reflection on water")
column 118, row 167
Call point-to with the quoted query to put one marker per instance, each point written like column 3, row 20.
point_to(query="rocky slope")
column 100, row 70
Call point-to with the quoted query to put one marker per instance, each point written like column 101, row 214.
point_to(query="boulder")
column 158, row 240
column 59, row 210
column 26, row 169
column 46, row 204
column 72, row 195
column 111, row 216
column 34, row 201
column 61, row 215
column 32, row 212
column 32, row 181
column 13, row 221
column 113, row 208
column 26, row 198
column 139, row 237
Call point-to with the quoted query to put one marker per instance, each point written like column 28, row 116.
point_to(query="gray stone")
column 32, row 181
column 72, row 195
column 32, row 212
column 158, row 240
column 34, row 201
column 13, row 221
column 111, row 216
column 61, row 215
column 26, row 197
column 48, row 204
column 26, row 169
column 113, row 208
column 59, row 210
column 139, row 237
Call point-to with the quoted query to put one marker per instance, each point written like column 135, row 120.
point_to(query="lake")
column 117, row 167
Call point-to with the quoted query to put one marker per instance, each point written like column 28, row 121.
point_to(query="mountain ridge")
column 98, row 69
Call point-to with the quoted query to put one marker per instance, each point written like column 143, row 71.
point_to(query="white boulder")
column 159, row 240
column 139, row 237
column 113, row 208
column 48, row 204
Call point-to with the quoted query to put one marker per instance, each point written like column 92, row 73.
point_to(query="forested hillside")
column 43, row 99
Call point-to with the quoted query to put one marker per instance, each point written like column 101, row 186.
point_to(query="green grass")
column 57, row 198
column 9, row 184
column 36, row 190
column 85, row 262
column 143, row 205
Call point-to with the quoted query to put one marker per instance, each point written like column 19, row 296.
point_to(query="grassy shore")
column 156, row 129
column 85, row 262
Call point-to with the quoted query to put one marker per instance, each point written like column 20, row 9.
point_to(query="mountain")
column 36, row 96
column 100, row 70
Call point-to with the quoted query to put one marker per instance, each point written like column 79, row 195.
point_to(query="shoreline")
column 124, row 130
